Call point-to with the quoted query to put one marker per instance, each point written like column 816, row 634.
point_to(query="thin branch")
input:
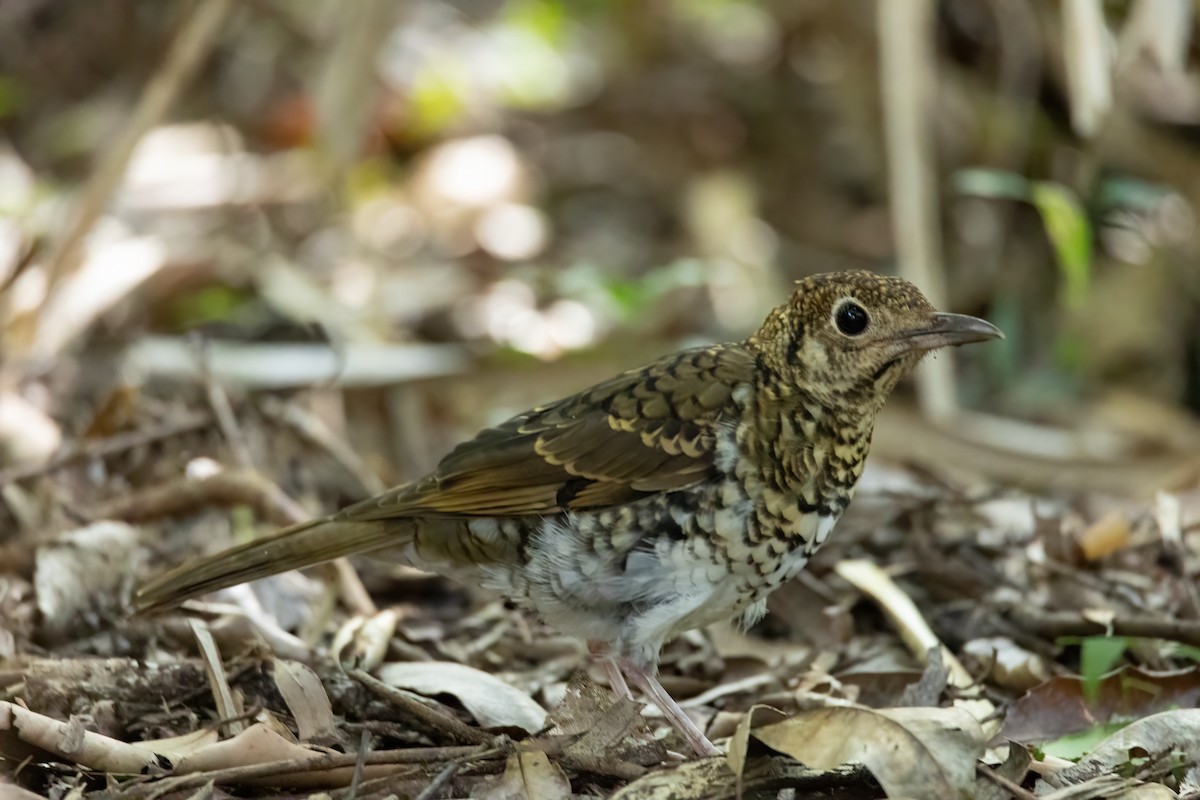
column 1055, row 624
column 185, row 56
column 112, row 445
column 906, row 77
column 429, row 718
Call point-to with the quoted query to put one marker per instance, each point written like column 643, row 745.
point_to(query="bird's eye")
column 852, row 319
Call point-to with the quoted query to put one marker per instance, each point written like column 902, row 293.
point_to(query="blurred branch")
column 1086, row 51
column 275, row 365
column 906, row 79
column 187, row 52
column 118, row 443
column 1159, row 30
column 347, row 85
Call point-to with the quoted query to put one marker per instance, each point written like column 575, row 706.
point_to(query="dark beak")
column 950, row 329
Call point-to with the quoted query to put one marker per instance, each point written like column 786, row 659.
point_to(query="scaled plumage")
column 663, row 499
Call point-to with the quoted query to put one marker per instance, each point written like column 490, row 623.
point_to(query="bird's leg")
column 648, row 683
column 616, row 681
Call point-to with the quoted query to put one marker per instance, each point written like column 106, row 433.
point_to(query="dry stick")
column 222, row 409
column 404, row 785
column 430, row 718
column 350, row 587
column 1054, row 624
column 186, row 495
column 184, row 57
column 906, row 78
column 228, row 708
column 111, row 445
column 270, row 769
column 364, row 747
column 314, row 431
column 440, row 780
column 1015, row 789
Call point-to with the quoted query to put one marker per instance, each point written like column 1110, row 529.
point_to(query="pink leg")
column 654, row 691
column 616, row 681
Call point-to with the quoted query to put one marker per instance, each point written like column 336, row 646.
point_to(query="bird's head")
column 849, row 337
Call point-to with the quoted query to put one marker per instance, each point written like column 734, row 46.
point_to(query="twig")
column 315, row 432
column 228, row 708
column 440, row 780
column 1013, row 788
column 186, row 54
column 110, row 446
column 1055, row 624
column 222, row 410
column 364, row 747
column 271, row 769
column 186, row 495
column 906, row 65
column 431, row 719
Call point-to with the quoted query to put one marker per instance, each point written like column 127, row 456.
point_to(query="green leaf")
column 981, row 182
column 1097, row 655
column 1070, row 232
column 545, row 18
column 1074, row 746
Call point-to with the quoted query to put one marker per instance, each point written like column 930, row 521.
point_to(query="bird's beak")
column 949, row 329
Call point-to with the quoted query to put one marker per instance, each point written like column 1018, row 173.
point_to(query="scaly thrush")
column 664, row 499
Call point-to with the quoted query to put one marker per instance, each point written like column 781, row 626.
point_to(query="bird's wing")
column 645, row 431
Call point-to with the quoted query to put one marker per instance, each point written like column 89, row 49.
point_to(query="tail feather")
column 298, row 546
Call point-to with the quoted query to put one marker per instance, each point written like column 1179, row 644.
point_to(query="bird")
column 663, row 499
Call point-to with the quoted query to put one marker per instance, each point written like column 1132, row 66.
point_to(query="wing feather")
column 645, row 431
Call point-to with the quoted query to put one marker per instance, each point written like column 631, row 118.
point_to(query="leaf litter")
column 494, row 705
column 948, row 626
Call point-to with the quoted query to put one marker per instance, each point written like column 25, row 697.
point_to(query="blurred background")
column 424, row 216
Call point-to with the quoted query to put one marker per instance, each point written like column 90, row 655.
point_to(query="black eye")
column 852, row 319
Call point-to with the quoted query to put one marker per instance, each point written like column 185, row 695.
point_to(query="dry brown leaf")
column 528, row 776
column 600, row 725
column 21, row 729
column 1157, row 735
column 1014, row 769
column 1105, row 536
column 740, row 741
column 492, row 702
column 363, row 641
column 913, row 752
column 258, row 744
column 10, row 792
column 79, row 574
column 1058, row 708
column 1010, row 665
column 176, row 747
column 306, row 699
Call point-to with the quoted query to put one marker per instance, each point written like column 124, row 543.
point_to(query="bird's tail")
column 298, row 546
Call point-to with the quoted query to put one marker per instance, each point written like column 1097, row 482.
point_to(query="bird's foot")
column 654, row 691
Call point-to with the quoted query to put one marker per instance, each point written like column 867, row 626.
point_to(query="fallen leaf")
column 740, row 741
column 1105, row 536
column 1014, row 769
column 258, row 744
column 492, row 702
column 1156, row 735
column 913, row 752
column 1011, row 665
column 600, row 725
column 305, row 697
column 528, row 776
column 1059, row 707
column 79, row 575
